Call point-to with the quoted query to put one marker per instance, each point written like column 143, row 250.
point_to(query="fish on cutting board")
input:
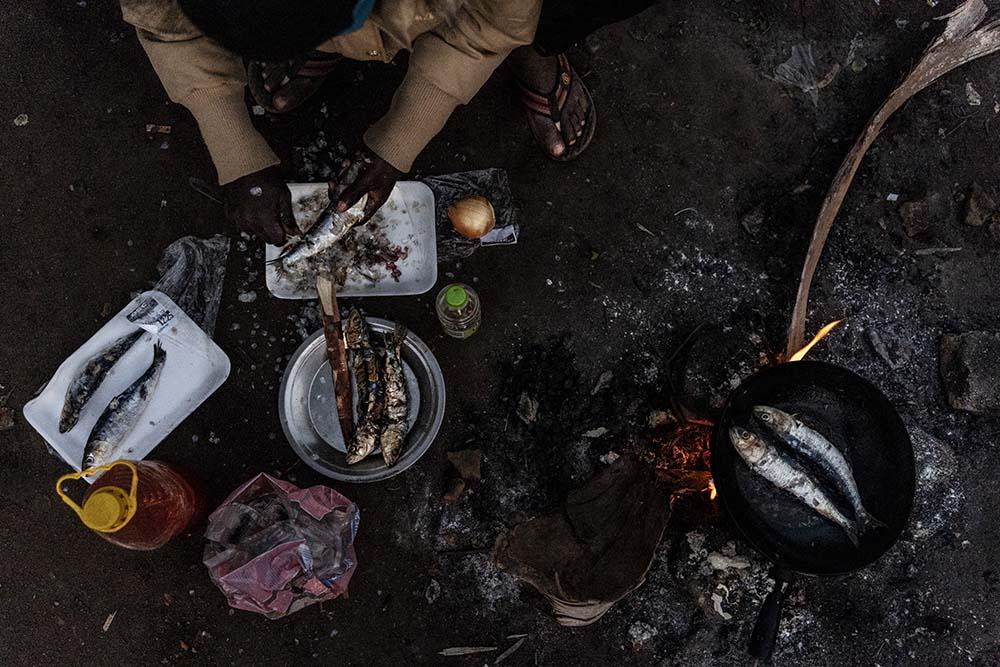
column 122, row 414
column 90, row 377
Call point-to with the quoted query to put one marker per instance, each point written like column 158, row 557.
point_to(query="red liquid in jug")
column 168, row 503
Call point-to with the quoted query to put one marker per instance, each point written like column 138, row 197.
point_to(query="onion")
column 472, row 216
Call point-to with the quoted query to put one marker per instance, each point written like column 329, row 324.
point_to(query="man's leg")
column 285, row 85
column 563, row 23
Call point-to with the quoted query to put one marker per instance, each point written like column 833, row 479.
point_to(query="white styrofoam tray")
column 408, row 220
column 194, row 368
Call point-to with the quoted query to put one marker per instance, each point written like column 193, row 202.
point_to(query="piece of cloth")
column 454, row 52
column 565, row 22
column 595, row 549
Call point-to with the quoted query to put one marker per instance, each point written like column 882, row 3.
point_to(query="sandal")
column 306, row 73
column 551, row 106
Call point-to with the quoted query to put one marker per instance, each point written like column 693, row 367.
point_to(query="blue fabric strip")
column 361, row 12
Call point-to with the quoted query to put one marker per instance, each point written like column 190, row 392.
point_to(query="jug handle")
column 90, row 471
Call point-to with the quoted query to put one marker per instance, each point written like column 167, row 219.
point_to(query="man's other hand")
column 365, row 174
column 261, row 203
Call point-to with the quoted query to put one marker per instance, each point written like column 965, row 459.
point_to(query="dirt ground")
column 623, row 253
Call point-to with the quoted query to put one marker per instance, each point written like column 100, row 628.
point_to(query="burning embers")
column 679, row 450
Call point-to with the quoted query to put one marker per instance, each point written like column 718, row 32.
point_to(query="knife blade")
column 336, row 350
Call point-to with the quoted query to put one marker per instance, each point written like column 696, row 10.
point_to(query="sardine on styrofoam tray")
column 193, row 369
column 405, row 222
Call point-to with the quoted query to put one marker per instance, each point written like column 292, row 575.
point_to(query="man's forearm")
column 209, row 82
column 418, row 112
column 237, row 149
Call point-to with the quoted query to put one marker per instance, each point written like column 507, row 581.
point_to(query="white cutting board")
column 194, row 368
column 408, row 221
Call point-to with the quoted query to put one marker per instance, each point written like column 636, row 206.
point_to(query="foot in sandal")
column 285, row 85
column 560, row 109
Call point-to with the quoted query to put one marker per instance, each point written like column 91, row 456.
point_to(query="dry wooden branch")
column 959, row 43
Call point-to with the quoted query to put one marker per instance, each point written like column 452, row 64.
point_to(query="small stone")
column 21, row 120
column 717, row 605
column 970, row 368
column 247, row 297
column 979, row 206
column 454, row 489
column 939, row 494
column 610, row 458
column 6, row 418
column 602, row 383
column 468, row 463
column 753, row 220
column 433, row 592
column 915, row 217
column 995, row 231
column 595, row 432
column 659, row 418
column 972, row 95
column 639, row 633
column 722, row 562
column 527, row 408
column 258, row 110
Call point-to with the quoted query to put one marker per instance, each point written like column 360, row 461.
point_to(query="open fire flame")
column 820, row 335
column 680, row 450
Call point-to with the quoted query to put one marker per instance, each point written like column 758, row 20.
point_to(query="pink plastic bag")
column 274, row 548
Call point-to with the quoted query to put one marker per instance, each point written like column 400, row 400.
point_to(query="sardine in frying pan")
column 859, row 421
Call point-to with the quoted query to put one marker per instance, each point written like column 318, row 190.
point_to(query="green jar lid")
column 456, row 296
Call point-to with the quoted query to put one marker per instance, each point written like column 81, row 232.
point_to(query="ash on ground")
column 550, row 428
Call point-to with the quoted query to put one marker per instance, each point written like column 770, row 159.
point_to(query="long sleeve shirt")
column 452, row 57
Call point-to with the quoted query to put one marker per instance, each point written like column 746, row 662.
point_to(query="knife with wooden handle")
column 336, row 350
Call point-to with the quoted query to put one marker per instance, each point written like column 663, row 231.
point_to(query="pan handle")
column 765, row 630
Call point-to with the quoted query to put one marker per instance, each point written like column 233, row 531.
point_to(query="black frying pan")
column 855, row 416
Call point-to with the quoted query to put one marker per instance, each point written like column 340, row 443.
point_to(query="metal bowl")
column 307, row 408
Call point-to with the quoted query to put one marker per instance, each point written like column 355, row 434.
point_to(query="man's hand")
column 261, row 204
column 365, row 174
